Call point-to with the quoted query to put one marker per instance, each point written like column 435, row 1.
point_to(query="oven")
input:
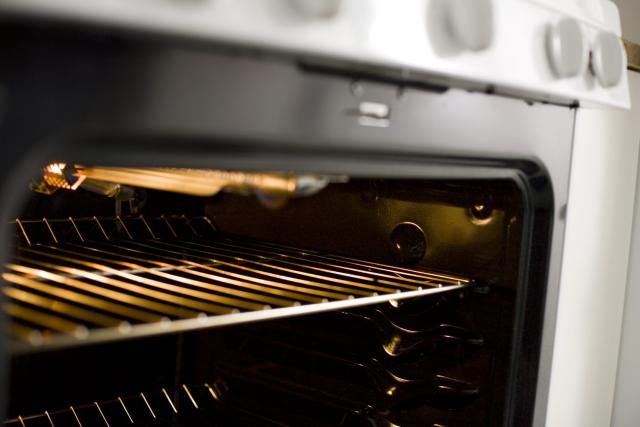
column 205, row 233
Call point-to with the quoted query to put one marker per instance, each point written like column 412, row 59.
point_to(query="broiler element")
column 57, row 176
column 207, row 182
column 61, row 176
column 88, row 285
column 272, row 189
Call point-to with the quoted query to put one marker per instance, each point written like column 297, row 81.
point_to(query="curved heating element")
column 84, row 280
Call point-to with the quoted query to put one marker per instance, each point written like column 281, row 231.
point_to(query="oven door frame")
column 99, row 94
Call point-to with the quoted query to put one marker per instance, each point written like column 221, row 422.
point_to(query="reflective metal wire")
column 76, row 285
column 132, row 412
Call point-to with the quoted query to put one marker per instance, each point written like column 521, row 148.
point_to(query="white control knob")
column 607, row 59
column 470, row 22
column 567, row 48
column 316, row 8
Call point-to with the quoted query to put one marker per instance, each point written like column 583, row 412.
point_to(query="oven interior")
column 270, row 298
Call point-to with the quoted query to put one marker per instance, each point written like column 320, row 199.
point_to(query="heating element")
column 95, row 279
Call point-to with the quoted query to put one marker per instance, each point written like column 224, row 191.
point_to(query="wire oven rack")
column 155, row 407
column 199, row 404
column 84, row 280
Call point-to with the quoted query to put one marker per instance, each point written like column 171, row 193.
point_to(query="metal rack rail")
column 81, row 280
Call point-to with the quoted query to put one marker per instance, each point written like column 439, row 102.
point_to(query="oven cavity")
column 186, row 297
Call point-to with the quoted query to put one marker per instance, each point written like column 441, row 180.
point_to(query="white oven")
column 309, row 212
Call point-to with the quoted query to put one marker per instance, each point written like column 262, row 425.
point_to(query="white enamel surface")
column 626, row 408
column 409, row 36
column 595, row 261
column 600, row 13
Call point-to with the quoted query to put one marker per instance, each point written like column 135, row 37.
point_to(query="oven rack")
column 87, row 280
column 156, row 406
column 193, row 404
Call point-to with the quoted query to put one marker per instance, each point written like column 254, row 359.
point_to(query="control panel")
column 561, row 51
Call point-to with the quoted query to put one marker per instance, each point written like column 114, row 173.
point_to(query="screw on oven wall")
column 408, row 243
column 481, row 211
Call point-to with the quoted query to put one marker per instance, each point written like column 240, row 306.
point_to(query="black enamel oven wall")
column 103, row 95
